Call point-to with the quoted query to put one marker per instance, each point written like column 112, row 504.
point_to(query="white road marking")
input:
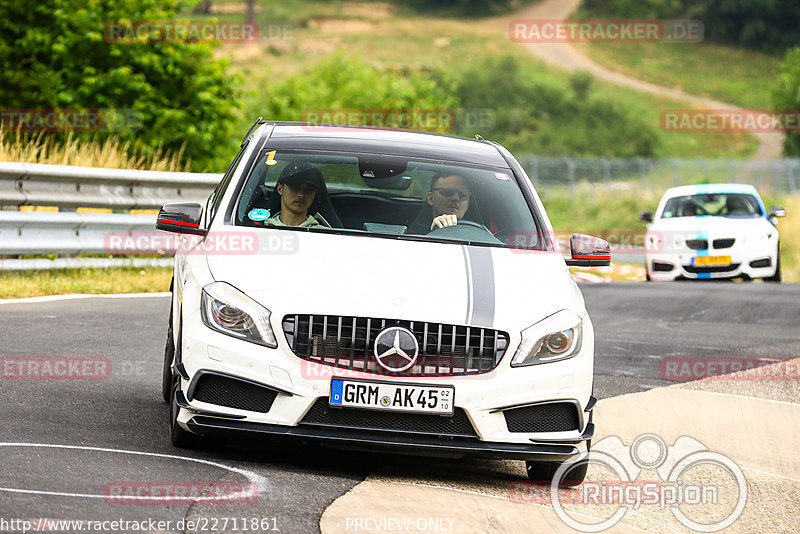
column 260, row 481
column 49, row 298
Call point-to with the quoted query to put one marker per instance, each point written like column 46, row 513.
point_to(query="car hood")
column 400, row 279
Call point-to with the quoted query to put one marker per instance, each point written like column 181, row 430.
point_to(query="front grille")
column 661, row 267
column 347, row 342
column 718, row 269
column 697, row 244
column 233, row 393
column 322, row 414
column 552, row 417
column 724, row 243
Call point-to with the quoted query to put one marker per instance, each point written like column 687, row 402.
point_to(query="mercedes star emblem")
column 396, row 349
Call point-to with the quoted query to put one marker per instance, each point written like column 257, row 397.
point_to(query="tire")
column 777, row 276
column 543, row 472
column 169, row 356
column 179, row 437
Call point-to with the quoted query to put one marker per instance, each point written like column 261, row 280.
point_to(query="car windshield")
column 387, row 196
column 717, row 204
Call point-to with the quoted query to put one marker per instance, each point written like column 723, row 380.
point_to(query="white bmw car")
column 380, row 288
column 712, row 231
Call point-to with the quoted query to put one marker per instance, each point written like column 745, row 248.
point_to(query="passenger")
column 298, row 186
column 448, row 198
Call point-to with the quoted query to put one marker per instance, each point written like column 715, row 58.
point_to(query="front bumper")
column 297, row 385
column 397, row 443
column 750, row 262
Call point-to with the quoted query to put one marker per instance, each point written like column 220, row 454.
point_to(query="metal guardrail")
column 66, row 186
column 26, row 233
column 67, row 233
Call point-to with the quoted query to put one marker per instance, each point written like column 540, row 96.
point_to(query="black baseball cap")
column 301, row 173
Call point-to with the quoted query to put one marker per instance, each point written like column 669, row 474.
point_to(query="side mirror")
column 181, row 218
column 646, row 216
column 588, row 251
column 777, row 211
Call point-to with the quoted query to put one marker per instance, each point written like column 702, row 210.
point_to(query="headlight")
column 226, row 309
column 554, row 338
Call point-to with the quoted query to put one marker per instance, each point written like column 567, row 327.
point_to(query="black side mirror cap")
column 777, row 211
column 646, row 216
column 588, row 251
column 181, row 218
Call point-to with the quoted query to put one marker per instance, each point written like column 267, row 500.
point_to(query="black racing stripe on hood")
column 481, row 289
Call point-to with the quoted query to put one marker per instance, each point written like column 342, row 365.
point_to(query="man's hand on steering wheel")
column 444, row 220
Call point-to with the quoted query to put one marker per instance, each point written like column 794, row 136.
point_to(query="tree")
column 786, row 97
column 60, row 54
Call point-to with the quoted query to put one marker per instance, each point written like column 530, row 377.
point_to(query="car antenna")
column 478, row 137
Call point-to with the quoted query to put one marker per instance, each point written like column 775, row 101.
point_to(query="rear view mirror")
column 588, row 251
column 181, row 218
column 384, row 172
column 646, row 216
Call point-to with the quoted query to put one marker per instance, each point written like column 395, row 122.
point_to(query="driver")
column 449, row 199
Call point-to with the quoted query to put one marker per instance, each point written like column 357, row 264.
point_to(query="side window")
column 216, row 197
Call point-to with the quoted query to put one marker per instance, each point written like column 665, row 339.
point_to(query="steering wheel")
column 484, row 235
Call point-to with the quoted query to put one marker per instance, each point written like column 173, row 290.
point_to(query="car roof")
column 384, row 141
column 706, row 189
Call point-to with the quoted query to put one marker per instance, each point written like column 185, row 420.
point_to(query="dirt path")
column 566, row 57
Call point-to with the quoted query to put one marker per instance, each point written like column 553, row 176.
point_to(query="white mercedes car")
column 380, row 288
column 712, row 231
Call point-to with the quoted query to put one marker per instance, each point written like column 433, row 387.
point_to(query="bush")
column 786, row 96
column 53, row 55
column 764, row 25
column 341, row 83
column 545, row 117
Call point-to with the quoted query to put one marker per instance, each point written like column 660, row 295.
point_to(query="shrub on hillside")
column 54, row 54
column 545, row 117
column 765, row 25
column 786, row 96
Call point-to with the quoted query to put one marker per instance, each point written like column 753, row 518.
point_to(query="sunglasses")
column 449, row 192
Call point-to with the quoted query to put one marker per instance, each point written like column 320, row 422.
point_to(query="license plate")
column 710, row 261
column 392, row 396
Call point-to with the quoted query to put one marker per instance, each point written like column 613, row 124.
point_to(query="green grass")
column 18, row 284
column 725, row 73
column 388, row 37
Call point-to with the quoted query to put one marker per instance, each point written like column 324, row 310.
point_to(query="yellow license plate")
column 711, row 261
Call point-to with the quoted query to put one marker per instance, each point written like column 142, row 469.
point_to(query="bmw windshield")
column 387, row 196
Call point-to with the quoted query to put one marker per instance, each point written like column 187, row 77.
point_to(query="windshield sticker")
column 271, row 158
column 258, row 214
column 502, row 176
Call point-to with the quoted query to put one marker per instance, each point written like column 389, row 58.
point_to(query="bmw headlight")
column 554, row 338
column 226, row 309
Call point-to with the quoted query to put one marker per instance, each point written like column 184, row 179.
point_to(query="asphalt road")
column 637, row 326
